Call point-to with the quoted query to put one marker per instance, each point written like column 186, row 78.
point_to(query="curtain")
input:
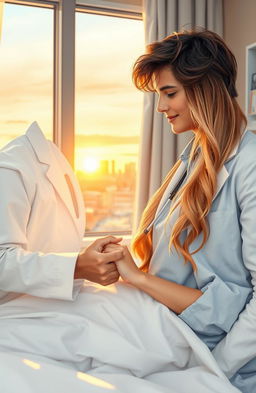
column 160, row 148
column 1, row 17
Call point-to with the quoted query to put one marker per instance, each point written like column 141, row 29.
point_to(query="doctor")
column 42, row 225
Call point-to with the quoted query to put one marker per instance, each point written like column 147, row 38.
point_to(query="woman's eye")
column 171, row 94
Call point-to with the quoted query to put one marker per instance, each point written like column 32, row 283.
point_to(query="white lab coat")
column 41, row 219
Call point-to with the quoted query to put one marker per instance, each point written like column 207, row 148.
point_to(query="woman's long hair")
column 207, row 69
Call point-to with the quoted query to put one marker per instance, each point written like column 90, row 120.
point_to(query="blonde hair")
column 204, row 65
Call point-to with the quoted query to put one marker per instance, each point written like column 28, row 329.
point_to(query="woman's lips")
column 171, row 119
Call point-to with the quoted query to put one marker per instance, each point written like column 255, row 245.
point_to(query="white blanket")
column 114, row 338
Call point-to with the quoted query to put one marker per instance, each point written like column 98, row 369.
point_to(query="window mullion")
column 64, row 78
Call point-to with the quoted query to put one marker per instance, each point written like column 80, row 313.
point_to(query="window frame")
column 64, row 63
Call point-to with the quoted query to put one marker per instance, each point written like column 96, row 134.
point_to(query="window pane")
column 108, row 117
column 26, row 70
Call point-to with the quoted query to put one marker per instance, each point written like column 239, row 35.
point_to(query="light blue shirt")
column 225, row 263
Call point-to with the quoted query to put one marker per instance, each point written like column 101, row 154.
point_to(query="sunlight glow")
column 109, row 288
column 91, row 164
column 94, row 381
column 30, row 363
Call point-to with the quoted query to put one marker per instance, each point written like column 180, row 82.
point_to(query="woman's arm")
column 175, row 296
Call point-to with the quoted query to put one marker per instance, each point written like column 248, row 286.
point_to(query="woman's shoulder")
column 248, row 141
column 242, row 165
column 246, row 152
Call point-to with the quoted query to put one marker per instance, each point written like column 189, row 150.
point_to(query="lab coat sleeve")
column 35, row 273
column 239, row 345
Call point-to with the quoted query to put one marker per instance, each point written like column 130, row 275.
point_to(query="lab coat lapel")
column 56, row 174
column 221, row 180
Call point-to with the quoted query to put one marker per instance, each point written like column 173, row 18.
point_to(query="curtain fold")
column 1, row 17
column 159, row 147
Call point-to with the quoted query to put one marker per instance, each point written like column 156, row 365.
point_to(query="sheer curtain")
column 160, row 148
column 1, row 17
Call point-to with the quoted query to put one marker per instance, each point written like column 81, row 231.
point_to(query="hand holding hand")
column 96, row 266
column 126, row 266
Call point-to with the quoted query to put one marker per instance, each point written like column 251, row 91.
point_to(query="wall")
column 239, row 31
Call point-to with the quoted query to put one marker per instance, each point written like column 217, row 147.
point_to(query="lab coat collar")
column 59, row 173
column 39, row 143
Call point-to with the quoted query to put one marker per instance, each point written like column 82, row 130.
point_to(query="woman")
column 120, row 334
column 210, row 223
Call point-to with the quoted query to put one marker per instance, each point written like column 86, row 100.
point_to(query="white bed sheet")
column 114, row 338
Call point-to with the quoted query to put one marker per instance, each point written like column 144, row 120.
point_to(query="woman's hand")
column 175, row 296
column 126, row 266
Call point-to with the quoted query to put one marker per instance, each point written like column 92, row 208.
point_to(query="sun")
column 90, row 164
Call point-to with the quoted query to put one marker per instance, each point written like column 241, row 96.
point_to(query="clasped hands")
column 105, row 260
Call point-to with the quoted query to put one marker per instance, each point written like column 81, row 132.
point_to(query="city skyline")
column 106, row 167
column 105, row 147
column 109, row 196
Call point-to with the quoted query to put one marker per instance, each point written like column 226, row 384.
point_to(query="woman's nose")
column 162, row 105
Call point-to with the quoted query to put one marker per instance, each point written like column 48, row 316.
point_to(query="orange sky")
column 106, row 101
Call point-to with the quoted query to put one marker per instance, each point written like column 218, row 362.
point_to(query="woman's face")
column 173, row 101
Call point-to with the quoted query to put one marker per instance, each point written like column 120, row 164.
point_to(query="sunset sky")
column 108, row 107
column 26, row 64
column 107, row 103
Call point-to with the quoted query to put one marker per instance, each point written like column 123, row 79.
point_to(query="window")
column 26, row 70
column 37, row 82
column 108, row 117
